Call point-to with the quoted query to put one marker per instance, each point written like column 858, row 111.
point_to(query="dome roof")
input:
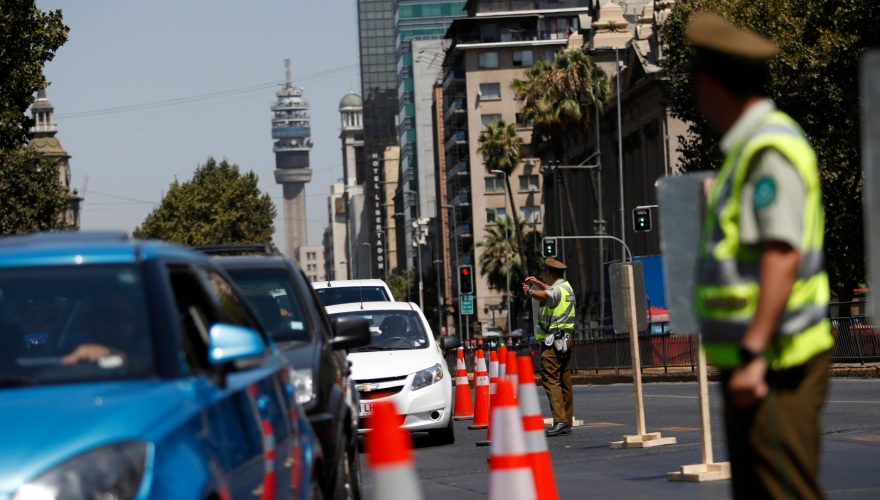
column 351, row 100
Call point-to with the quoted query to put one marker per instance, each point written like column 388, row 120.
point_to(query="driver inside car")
column 396, row 327
column 112, row 326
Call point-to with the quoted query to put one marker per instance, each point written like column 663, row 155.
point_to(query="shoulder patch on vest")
column 765, row 192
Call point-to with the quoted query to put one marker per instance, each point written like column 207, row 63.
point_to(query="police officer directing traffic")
column 762, row 290
column 555, row 326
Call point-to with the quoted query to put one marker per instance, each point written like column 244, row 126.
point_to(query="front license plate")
column 366, row 409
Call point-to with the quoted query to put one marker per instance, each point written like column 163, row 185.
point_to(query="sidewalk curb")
column 624, row 376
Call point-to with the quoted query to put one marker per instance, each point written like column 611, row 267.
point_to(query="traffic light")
column 465, row 279
column 641, row 219
column 549, row 247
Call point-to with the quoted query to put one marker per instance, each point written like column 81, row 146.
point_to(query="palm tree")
column 501, row 149
column 561, row 98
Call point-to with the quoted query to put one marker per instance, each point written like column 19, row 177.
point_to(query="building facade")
column 489, row 49
column 354, row 178
column 311, row 261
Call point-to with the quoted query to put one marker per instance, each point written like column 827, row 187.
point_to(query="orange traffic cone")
column 389, row 455
column 481, row 382
column 493, row 389
column 464, row 406
column 502, row 362
column 510, row 477
column 512, row 369
column 536, row 441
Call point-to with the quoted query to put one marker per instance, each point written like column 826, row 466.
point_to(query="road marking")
column 867, row 439
column 679, row 429
column 604, row 424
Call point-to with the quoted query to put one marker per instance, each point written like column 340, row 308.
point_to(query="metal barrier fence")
column 855, row 342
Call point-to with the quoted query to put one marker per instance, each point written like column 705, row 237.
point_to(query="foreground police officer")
column 555, row 328
column 762, row 290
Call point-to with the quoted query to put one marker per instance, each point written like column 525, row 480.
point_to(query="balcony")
column 463, row 199
column 456, row 106
column 452, row 77
column 460, row 168
column 458, row 137
column 464, row 231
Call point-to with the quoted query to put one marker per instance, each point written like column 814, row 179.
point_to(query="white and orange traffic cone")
column 493, row 389
column 502, row 362
column 389, row 455
column 512, row 369
column 510, row 477
column 481, row 383
column 464, row 406
column 536, row 442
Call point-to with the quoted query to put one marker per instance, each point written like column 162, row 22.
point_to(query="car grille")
column 379, row 388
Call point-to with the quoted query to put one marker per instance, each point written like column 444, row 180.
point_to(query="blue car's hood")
column 42, row 426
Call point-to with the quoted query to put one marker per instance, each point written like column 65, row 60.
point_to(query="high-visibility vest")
column 559, row 319
column 728, row 288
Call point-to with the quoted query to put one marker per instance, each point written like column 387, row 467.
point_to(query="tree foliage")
column 815, row 79
column 31, row 195
column 28, row 39
column 218, row 206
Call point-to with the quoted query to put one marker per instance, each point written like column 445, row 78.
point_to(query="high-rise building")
column 494, row 45
column 378, row 62
column 44, row 140
column 292, row 133
column 349, row 210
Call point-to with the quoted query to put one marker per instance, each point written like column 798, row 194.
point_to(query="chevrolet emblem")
column 366, row 387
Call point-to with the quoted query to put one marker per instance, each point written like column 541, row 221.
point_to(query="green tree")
column 28, row 39
column 31, row 195
column 219, row 205
column 401, row 283
column 501, row 148
column 815, row 79
column 508, row 246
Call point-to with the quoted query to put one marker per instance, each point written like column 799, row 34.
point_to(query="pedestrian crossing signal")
column 641, row 220
column 549, row 247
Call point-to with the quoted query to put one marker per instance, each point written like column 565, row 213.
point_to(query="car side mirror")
column 350, row 332
column 449, row 342
column 228, row 342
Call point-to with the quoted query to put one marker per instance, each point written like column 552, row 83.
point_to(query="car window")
column 391, row 330
column 270, row 294
column 73, row 323
column 196, row 316
column 231, row 306
column 349, row 294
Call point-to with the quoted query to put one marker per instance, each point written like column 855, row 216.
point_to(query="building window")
column 522, row 58
column 311, row 255
column 488, row 60
column 490, row 91
column 487, row 119
column 523, row 123
column 494, row 215
column 531, row 215
column 550, row 55
column 528, row 183
column 494, row 184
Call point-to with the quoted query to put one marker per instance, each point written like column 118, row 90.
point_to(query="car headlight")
column 427, row 377
column 112, row 471
column 303, row 385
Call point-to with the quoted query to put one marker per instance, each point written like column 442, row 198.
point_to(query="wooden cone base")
column 648, row 440
column 698, row 473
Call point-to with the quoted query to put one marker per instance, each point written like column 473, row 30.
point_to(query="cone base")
column 698, row 473
column 478, row 427
column 463, row 417
column 483, row 443
column 643, row 441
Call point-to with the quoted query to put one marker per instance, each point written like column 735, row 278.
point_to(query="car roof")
column 79, row 248
column 371, row 306
column 349, row 283
column 251, row 260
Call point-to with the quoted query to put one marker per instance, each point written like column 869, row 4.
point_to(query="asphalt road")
column 585, row 466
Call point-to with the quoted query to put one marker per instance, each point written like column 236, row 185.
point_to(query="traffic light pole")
column 602, row 237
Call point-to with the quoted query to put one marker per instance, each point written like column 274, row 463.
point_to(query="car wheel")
column 445, row 435
column 348, row 476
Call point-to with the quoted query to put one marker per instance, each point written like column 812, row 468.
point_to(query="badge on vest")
column 765, row 193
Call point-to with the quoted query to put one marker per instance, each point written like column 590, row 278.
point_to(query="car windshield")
column 391, row 330
column 73, row 324
column 270, row 294
column 350, row 294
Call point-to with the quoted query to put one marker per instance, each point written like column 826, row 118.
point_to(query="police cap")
column 554, row 264
column 709, row 31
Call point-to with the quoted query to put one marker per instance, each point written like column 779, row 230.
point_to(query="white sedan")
column 404, row 364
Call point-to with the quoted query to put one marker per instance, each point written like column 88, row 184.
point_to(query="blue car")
column 134, row 369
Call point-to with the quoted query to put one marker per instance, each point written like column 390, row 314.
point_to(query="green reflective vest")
column 727, row 283
column 559, row 319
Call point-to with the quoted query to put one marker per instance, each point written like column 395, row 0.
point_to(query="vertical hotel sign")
column 379, row 241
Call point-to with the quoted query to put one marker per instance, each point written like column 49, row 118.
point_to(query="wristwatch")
column 747, row 355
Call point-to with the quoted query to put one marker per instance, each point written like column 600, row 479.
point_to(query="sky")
column 144, row 92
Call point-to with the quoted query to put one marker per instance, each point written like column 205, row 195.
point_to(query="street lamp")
column 507, row 237
column 455, row 254
column 619, row 140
